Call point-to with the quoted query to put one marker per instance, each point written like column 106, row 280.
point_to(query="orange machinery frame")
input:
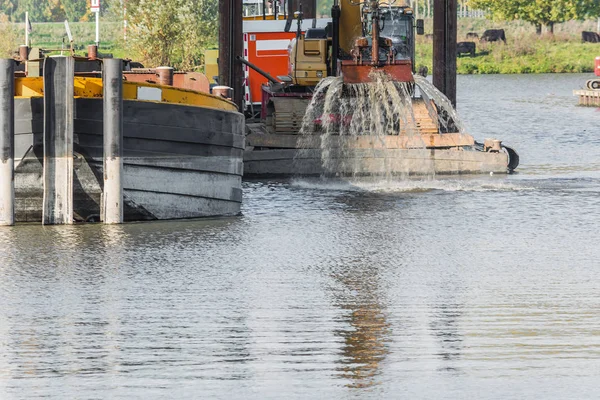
column 266, row 45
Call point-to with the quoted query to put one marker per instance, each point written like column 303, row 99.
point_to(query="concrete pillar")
column 112, row 198
column 7, row 142
column 444, row 47
column 58, row 140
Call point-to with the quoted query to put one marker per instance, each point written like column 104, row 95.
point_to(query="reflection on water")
column 365, row 338
column 437, row 288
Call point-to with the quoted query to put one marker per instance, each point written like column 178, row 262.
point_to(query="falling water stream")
column 362, row 126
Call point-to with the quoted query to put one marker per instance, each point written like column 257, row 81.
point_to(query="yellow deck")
column 92, row 88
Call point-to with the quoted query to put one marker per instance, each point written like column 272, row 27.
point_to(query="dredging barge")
column 366, row 50
column 181, row 148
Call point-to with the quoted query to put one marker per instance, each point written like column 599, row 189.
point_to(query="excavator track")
column 287, row 114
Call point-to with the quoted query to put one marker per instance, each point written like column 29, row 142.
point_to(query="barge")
column 182, row 148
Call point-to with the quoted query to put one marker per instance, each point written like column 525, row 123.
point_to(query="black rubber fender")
column 513, row 158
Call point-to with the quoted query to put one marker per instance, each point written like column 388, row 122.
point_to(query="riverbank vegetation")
column 525, row 52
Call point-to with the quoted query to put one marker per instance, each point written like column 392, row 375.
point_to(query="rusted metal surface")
column 165, row 76
column 375, row 33
column 444, row 47
column 399, row 71
column 92, row 51
column 23, row 52
column 223, row 91
column 184, row 80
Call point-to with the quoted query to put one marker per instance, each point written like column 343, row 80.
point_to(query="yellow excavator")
column 345, row 48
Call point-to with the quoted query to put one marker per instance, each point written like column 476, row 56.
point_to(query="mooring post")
column 444, row 47
column 7, row 142
column 112, row 198
column 58, row 140
column 231, row 45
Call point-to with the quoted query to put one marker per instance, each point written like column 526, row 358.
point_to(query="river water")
column 475, row 287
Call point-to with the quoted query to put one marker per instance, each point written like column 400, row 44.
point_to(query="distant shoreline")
column 532, row 57
column 524, row 51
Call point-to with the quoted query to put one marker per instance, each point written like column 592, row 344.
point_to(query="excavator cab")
column 397, row 25
column 309, row 57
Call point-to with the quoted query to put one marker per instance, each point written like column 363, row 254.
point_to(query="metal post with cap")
column 112, row 197
column 7, row 142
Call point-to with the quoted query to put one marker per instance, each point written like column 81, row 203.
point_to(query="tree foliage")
column 539, row 12
column 8, row 37
column 174, row 32
column 45, row 10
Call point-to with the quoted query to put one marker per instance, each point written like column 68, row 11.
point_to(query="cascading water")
column 443, row 111
column 364, row 129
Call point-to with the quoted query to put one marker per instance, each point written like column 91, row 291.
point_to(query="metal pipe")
column 224, row 42
column 374, row 33
column 112, row 104
column 92, row 52
column 165, row 75
column 260, row 71
column 59, row 74
column 7, row 142
column 98, row 28
column 27, row 24
column 23, row 52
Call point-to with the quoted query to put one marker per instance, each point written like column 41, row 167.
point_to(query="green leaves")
column 174, row 32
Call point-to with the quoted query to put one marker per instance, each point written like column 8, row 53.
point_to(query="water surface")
column 475, row 287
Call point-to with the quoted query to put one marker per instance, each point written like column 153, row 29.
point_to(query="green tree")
column 36, row 9
column 9, row 37
column 174, row 32
column 539, row 12
column 75, row 10
column 8, row 8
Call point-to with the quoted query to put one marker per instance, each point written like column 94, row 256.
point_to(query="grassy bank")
column 524, row 53
column 526, row 56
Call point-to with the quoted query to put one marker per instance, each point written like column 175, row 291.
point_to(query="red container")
column 597, row 66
